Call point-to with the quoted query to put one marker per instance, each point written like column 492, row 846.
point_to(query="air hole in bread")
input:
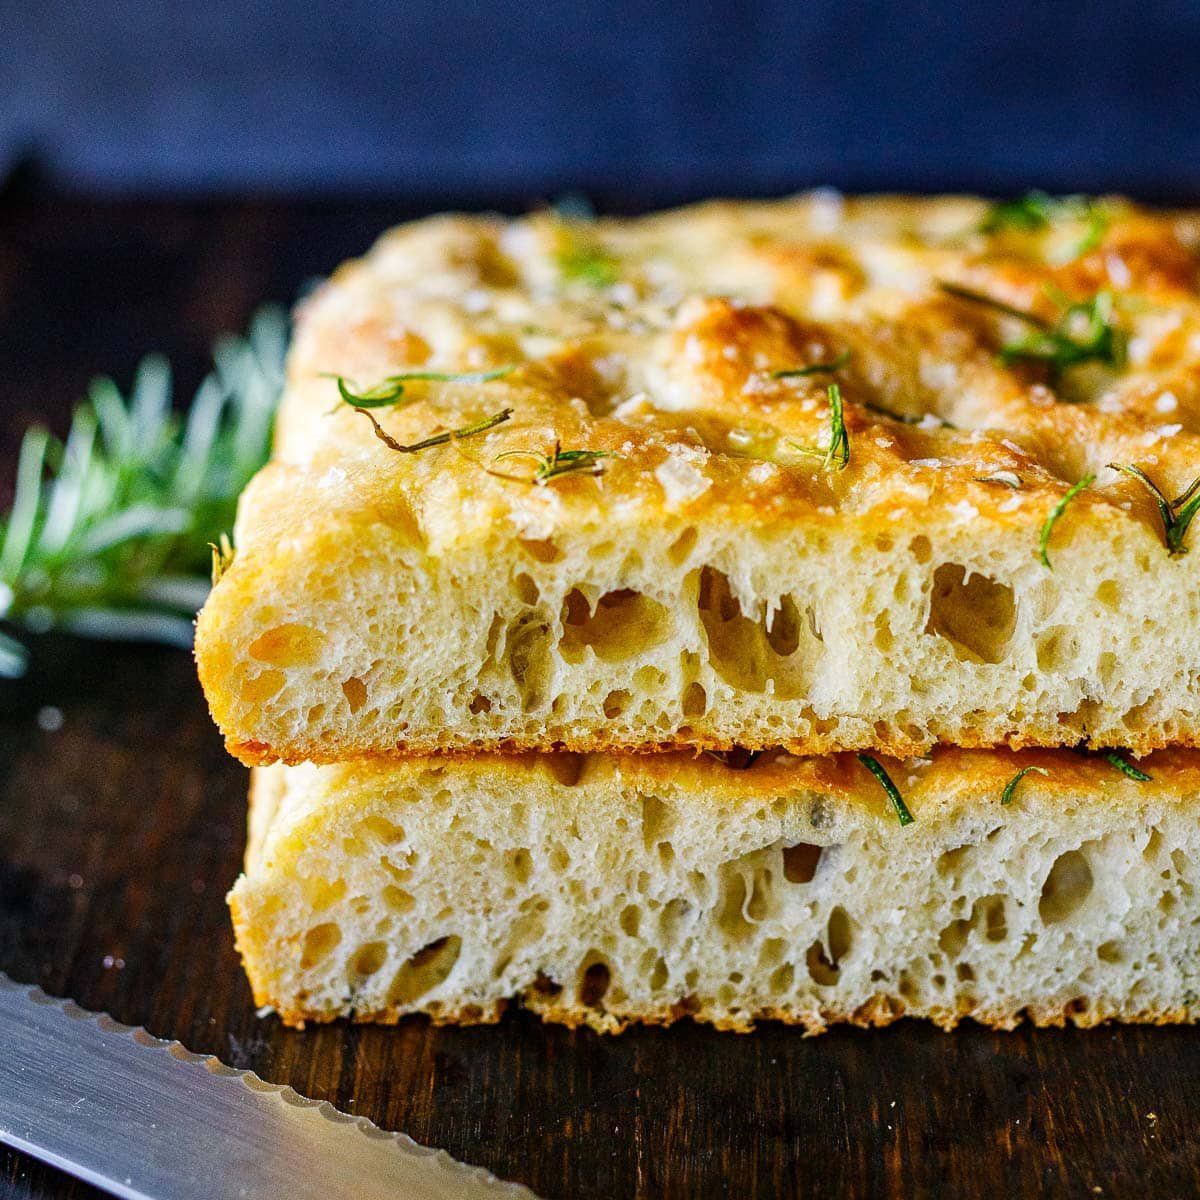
column 397, row 899
column 800, row 862
column 260, row 687
column 319, row 944
column 355, row 692
column 1057, row 648
column 755, row 655
column 368, row 960
column 1067, row 887
column 542, row 549
column 567, row 768
column 527, row 647
column 288, row 646
column 622, row 624
column 595, row 984
column 479, row 704
column 427, row 969
column 695, row 700
column 526, row 590
column 975, row 614
column 680, row 549
column 1109, row 594
column 382, row 830
column 658, row 821
column 519, row 865
column 990, row 913
column 616, row 702
column 782, row 978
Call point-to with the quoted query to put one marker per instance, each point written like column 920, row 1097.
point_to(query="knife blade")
column 146, row 1119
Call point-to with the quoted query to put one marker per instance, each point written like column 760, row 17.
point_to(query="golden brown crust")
column 672, row 368
column 877, row 1013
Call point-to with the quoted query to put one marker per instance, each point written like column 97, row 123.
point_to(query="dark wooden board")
column 121, row 831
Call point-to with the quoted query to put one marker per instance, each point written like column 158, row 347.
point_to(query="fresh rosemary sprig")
column 817, row 368
column 1056, row 512
column 1176, row 514
column 437, row 439
column 837, row 453
column 1036, row 211
column 1084, row 333
column 108, row 532
column 1010, row 788
column 390, row 391
column 885, row 781
column 1125, row 766
column 560, row 462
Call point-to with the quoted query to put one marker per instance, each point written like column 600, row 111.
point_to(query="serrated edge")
column 284, row 1091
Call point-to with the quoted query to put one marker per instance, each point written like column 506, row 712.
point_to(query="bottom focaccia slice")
column 602, row 889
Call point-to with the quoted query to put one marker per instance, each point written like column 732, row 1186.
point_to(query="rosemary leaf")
column 1125, row 766
column 1036, row 211
column 222, row 557
column 837, row 453
column 437, row 439
column 885, row 781
column 560, row 462
column 1010, row 788
column 1176, row 514
column 818, row 368
column 1085, row 331
column 390, row 391
column 1056, row 512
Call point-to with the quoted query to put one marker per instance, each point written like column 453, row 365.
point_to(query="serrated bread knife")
column 146, row 1119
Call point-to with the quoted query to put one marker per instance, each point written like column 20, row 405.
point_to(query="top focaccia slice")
column 647, row 525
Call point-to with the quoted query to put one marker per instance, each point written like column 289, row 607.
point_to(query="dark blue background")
column 652, row 99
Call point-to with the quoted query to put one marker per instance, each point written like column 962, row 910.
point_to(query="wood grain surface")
column 121, row 831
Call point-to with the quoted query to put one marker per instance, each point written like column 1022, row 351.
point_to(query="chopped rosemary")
column 1176, row 514
column 1030, row 212
column 817, row 368
column 579, row 256
column 1125, row 766
column 885, row 781
column 1010, row 788
column 837, row 454
column 222, row 557
column 1085, row 331
column 560, row 462
column 1036, row 211
column 1056, row 512
column 107, row 533
column 437, row 439
column 390, row 390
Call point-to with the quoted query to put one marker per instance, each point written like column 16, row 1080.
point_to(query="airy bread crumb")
column 603, row 889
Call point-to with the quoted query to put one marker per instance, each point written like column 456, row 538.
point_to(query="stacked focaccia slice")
column 815, row 486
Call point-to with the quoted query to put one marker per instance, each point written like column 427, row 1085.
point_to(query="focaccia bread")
column 750, row 568
column 606, row 889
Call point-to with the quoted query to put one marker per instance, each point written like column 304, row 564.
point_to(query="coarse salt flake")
column 680, row 480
